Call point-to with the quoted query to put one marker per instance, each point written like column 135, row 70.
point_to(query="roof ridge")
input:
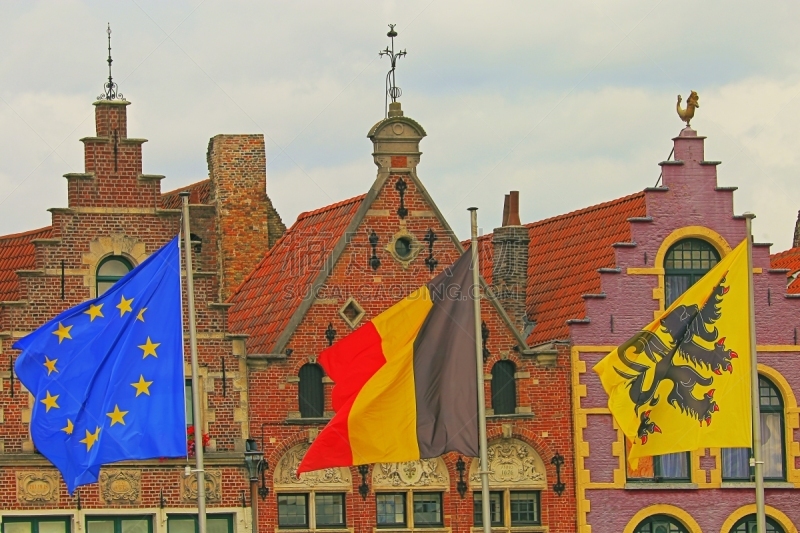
column 779, row 255
column 25, row 233
column 329, row 207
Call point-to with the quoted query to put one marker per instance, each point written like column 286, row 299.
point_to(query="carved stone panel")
column 119, row 485
column 512, row 463
column 37, row 486
column 428, row 473
column 213, row 480
column 285, row 473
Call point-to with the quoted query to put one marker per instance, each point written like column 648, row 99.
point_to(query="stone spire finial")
column 796, row 240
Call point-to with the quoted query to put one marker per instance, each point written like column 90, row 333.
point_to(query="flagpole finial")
column 748, row 214
column 472, row 209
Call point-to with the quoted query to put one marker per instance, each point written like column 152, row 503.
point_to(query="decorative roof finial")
column 688, row 113
column 392, row 90
column 110, row 87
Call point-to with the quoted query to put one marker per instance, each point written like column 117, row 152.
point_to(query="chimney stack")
column 510, row 263
column 248, row 224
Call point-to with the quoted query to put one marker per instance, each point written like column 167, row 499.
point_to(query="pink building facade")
column 709, row 490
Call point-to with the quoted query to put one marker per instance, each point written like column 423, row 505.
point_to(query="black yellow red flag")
column 683, row 382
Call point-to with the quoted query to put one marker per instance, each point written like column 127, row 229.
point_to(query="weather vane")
column 392, row 90
column 110, row 87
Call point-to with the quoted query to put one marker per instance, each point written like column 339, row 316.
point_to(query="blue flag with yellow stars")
column 107, row 375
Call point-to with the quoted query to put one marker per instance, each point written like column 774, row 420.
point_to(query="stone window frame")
column 409, row 478
column 100, row 248
column 533, row 467
column 330, row 480
column 130, row 265
column 520, row 411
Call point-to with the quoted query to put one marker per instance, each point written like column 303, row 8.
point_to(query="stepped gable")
column 17, row 252
column 200, row 193
column 269, row 296
column 789, row 259
column 564, row 254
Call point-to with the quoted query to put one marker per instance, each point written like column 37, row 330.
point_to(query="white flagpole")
column 484, row 459
column 757, row 461
column 198, row 431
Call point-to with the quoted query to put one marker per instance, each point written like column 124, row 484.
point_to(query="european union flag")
column 107, row 375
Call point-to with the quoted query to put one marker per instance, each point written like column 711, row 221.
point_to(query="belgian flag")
column 405, row 382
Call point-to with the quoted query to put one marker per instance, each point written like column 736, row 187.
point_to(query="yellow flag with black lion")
column 683, row 382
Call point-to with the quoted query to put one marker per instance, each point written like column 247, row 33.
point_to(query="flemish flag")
column 683, row 382
column 406, row 381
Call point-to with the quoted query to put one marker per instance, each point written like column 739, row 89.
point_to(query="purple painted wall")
column 689, row 197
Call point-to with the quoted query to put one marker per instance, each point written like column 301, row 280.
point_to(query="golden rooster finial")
column 691, row 103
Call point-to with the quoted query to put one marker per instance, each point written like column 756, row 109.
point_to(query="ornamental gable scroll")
column 285, row 477
column 512, row 464
column 424, row 473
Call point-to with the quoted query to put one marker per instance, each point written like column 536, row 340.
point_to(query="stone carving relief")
column 285, row 473
column 121, row 486
column 422, row 473
column 213, row 480
column 512, row 463
column 37, row 487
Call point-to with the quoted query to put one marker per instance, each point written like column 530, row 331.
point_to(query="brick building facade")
column 116, row 216
column 338, row 267
column 600, row 274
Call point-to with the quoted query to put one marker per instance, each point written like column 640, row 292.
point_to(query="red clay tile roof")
column 789, row 259
column 200, row 193
column 17, row 252
column 269, row 296
column 565, row 253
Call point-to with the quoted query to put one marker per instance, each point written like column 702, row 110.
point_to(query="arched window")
column 686, row 262
column 504, row 388
column 736, row 461
column 111, row 270
column 311, row 395
column 747, row 524
column 660, row 523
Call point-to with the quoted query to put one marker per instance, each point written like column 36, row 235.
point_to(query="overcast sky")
column 572, row 103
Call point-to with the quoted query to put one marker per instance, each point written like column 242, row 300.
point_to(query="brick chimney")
column 510, row 263
column 247, row 223
column 796, row 240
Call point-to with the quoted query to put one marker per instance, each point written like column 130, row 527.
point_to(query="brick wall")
column 689, row 197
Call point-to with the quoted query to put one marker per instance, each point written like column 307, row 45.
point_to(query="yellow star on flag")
column 62, row 332
column 149, row 348
column 140, row 316
column 50, row 402
column 50, row 365
column 91, row 438
column 94, row 312
column 69, row 427
column 117, row 416
column 142, row 386
column 124, row 306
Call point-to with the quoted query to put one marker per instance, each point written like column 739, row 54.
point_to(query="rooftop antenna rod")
column 110, row 88
column 391, row 86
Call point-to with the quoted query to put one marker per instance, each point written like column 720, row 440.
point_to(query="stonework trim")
column 689, row 232
column 771, row 512
column 670, row 510
column 427, row 474
column 102, row 247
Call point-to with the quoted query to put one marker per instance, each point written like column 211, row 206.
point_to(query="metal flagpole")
column 755, row 400
column 484, row 459
column 198, row 432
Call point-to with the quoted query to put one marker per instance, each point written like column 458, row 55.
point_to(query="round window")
column 402, row 247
